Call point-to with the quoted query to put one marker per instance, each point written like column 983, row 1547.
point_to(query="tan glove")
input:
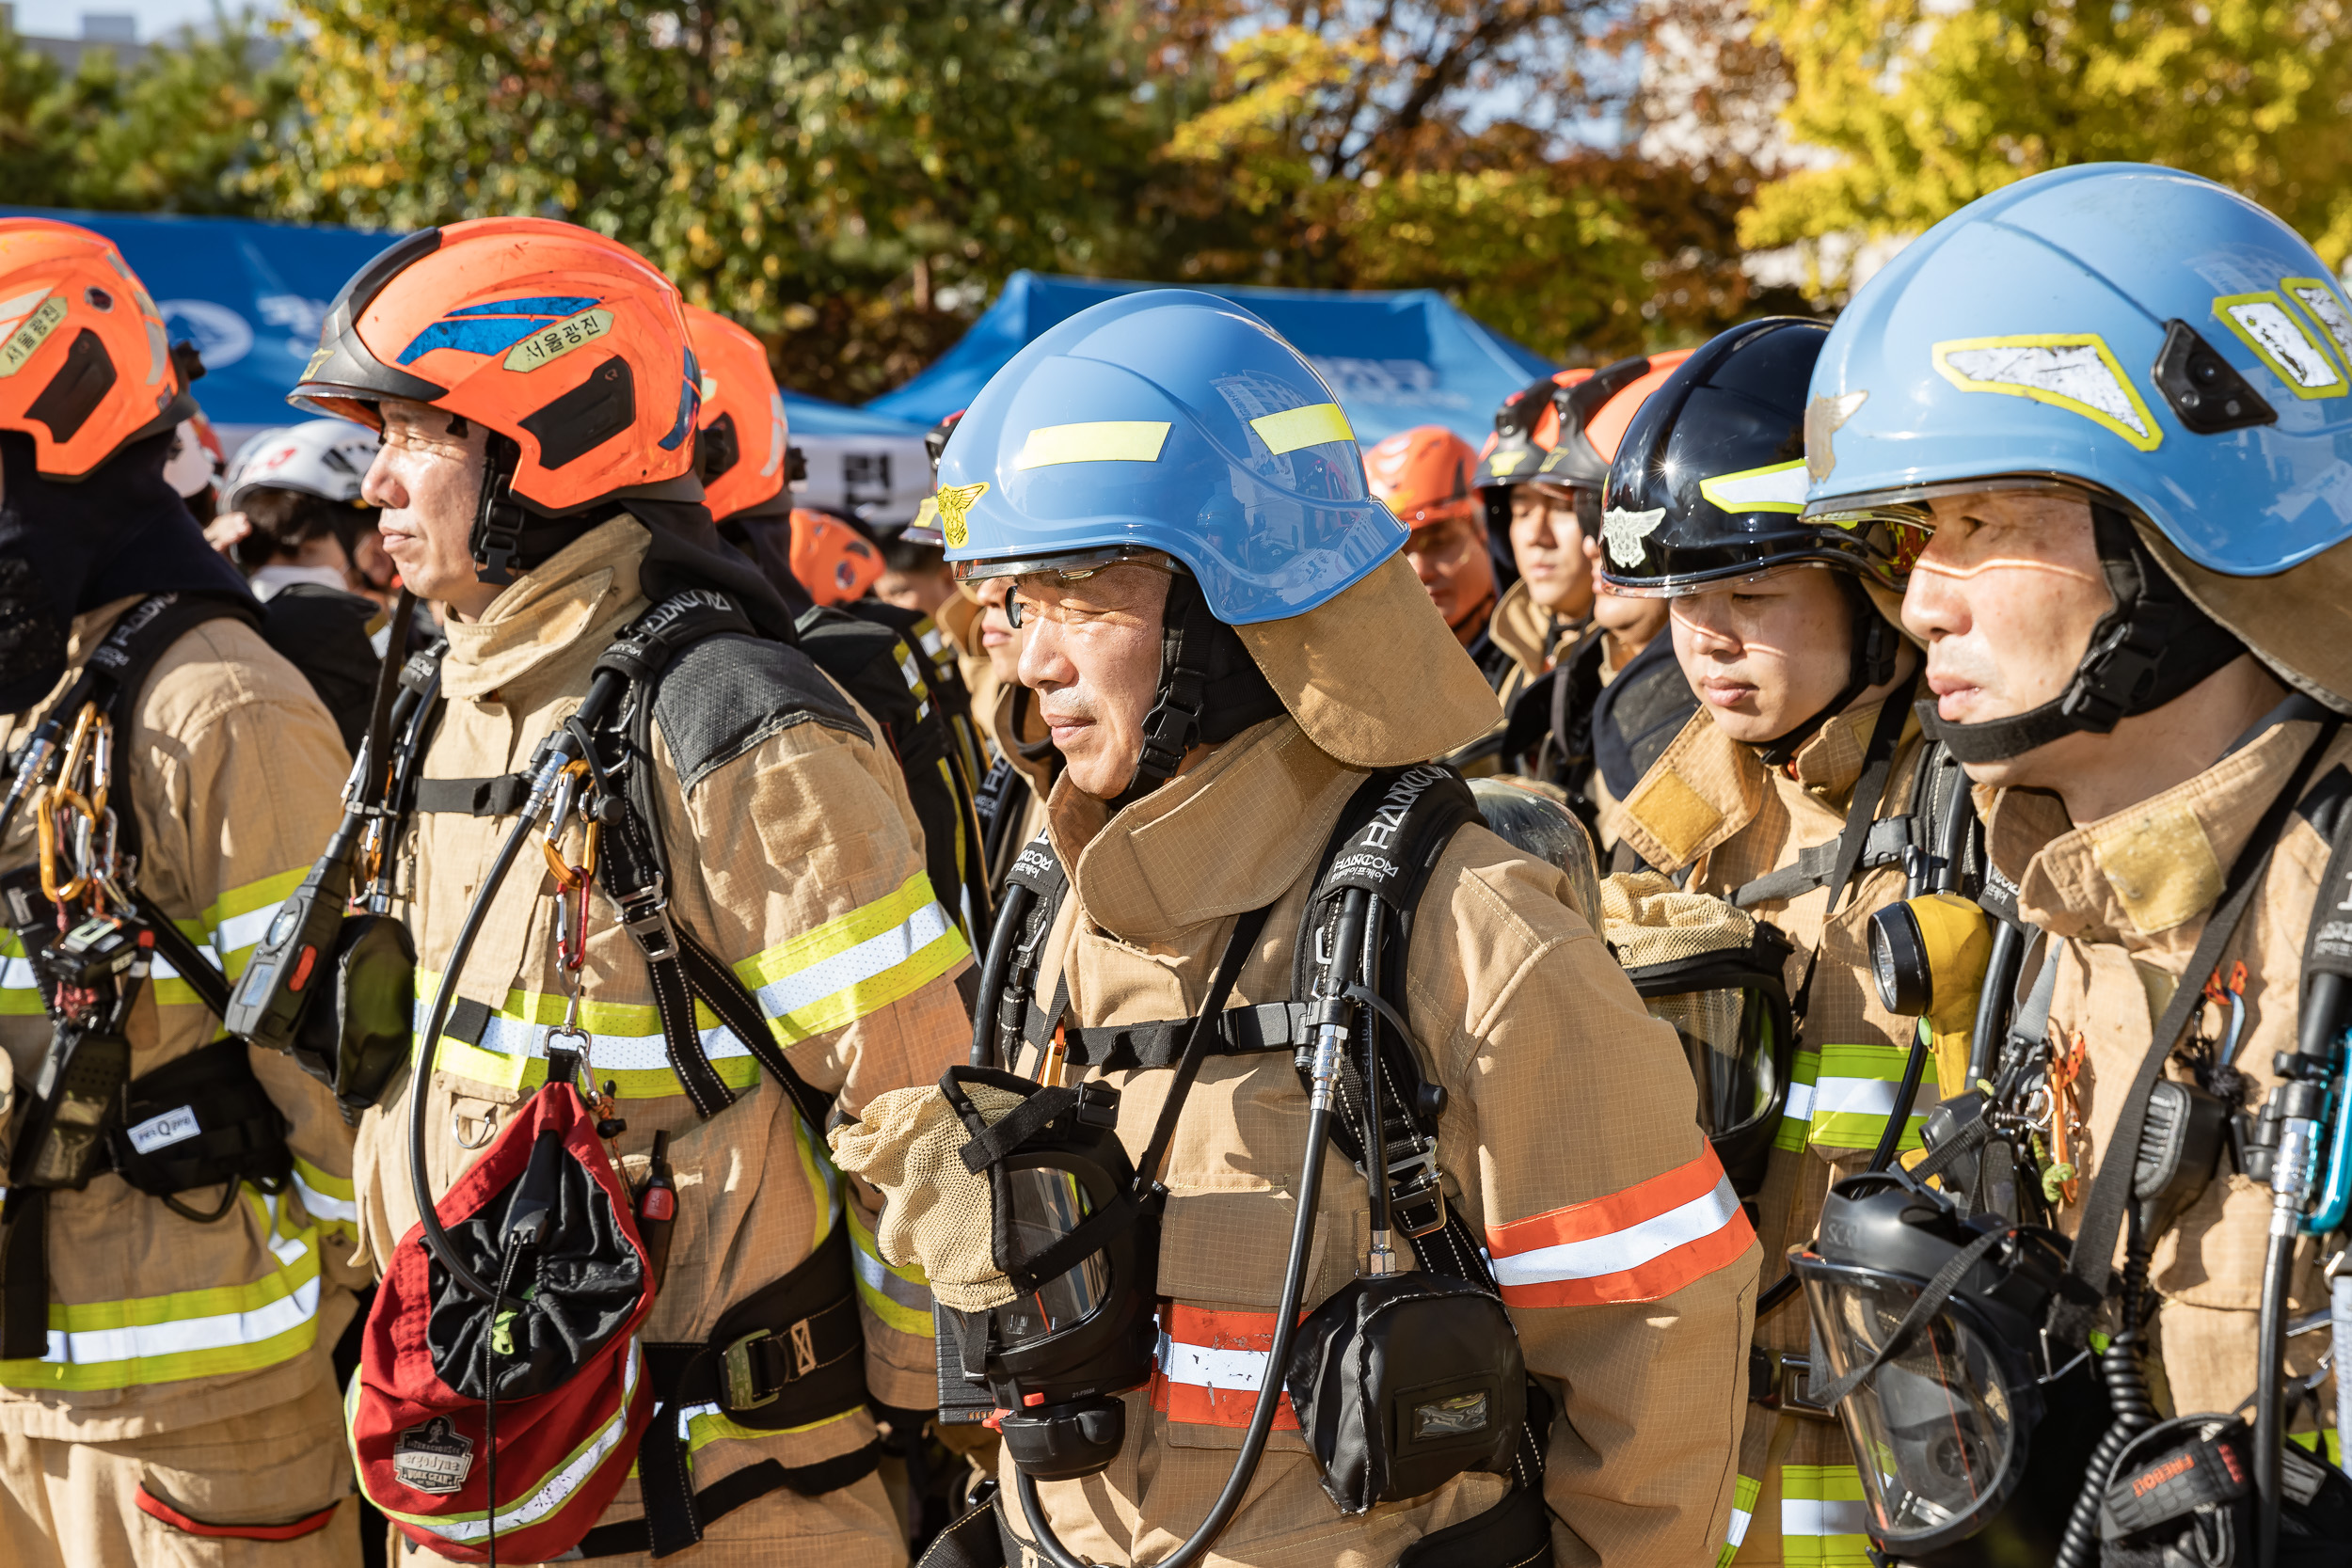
column 936, row 1214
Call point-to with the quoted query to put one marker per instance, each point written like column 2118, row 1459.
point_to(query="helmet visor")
column 1939, row 1430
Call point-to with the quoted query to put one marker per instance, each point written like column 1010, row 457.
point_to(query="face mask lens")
column 1047, row 1205
column 1934, row 1428
column 1728, row 1038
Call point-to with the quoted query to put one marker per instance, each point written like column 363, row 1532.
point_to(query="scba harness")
column 1402, row 1380
column 92, row 940
column 788, row 1355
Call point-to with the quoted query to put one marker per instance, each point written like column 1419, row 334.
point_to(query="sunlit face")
column 429, row 483
column 1548, row 543
column 999, row 638
column 1091, row 649
column 1449, row 555
column 2006, row 596
column 923, row 590
column 1766, row 656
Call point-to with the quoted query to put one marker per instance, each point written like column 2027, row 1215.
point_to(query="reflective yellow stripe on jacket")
column 189, row 1334
column 1824, row 1520
column 818, row 981
column 227, row 932
column 1853, row 1093
column 1743, row 1496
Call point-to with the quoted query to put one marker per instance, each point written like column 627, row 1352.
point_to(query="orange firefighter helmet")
column 1424, row 474
column 741, row 452
column 570, row 345
column 85, row 367
column 830, row 558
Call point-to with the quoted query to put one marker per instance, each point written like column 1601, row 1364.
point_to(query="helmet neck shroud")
column 1210, row 688
column 2152, row 647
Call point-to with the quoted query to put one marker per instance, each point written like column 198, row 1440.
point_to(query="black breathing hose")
column 2128, row 1397
column 1010, row 916
column 1334, row 1016
column 2000, row 982
column 560, row 748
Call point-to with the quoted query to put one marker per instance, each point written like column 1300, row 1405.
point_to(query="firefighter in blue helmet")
column 1247, row 683
column 2120, row 399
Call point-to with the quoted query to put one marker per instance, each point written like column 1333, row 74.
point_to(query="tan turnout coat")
column 796, row 857
column 2125, row 901
column 1570, row 1125
column 1710, row 803
column 169, row 1338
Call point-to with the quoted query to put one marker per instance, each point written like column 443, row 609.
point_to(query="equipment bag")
column 531, row 1404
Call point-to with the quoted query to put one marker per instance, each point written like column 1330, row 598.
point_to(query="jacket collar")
column 1708, row 786
column 2145, row 870
column 574, row 592
column 1531, row 635
column 1233, row 832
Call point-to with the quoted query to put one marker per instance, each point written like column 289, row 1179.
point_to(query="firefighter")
column 172, row 1276
column 1790, row 799
column 1220, row 700
column 545, row 511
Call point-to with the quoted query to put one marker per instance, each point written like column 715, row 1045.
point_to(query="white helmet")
column 326, row 458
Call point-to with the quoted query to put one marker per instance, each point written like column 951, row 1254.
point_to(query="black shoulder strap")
column 2093, row 1257
column 634, row 870
column 115, row 676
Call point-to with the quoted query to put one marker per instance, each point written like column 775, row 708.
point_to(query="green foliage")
column 178, row 132
column 1928, row 106
column 822, row 172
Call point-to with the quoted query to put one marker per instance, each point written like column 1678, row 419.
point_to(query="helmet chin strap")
column 1210, row 690
column 1872, row 643
column 508, row 536
column 2151, row 648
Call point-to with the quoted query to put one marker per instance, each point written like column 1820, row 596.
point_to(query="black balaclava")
column 1210, row 688
column 2151, row 648
column 69, row 546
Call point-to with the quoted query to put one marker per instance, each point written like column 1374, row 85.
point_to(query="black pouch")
column 2181, row 1496
column 201, row 1120
column 1404, row 1382
column 353, row 1045
column 61, row 1135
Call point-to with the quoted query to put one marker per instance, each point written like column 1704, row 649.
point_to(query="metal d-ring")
column 489, row 1129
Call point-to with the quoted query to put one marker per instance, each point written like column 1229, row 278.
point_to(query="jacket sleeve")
column 1624, row 1259
column 250, row 770
column 853, row 961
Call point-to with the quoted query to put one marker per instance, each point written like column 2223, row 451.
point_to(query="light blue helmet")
column 2137, row 331
column 1172, row 422
column 2141, row 338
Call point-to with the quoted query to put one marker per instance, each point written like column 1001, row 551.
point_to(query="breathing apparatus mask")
column 1720, row 976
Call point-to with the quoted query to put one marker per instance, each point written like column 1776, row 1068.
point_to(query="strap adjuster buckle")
column 1417, row 1207
column 741, row 1374
column 646, row 915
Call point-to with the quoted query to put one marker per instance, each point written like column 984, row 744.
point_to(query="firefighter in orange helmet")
column 172, row 1274
column 1424, row 474
column 1573, row 721
column 538, row 398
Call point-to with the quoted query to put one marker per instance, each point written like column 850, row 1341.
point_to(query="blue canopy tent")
column 251, row 296
column 1396, row 360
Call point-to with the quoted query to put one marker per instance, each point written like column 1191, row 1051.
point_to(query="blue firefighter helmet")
column 2134, row 331
column 1166, row 420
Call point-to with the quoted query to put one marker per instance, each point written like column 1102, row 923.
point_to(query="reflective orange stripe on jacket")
column 1210, row 1366
column 1649, row 1240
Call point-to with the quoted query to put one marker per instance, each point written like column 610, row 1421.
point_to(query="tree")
column 177, row 132
column 1926, row 107
column 846, row 181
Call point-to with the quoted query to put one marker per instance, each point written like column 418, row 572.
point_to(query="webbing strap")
column 1126, row 1047
column 1883, row 845
column 502, row 795
column 2093, row 1257
column 1877, row 767
column 25, row 1275
column 202, row 975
